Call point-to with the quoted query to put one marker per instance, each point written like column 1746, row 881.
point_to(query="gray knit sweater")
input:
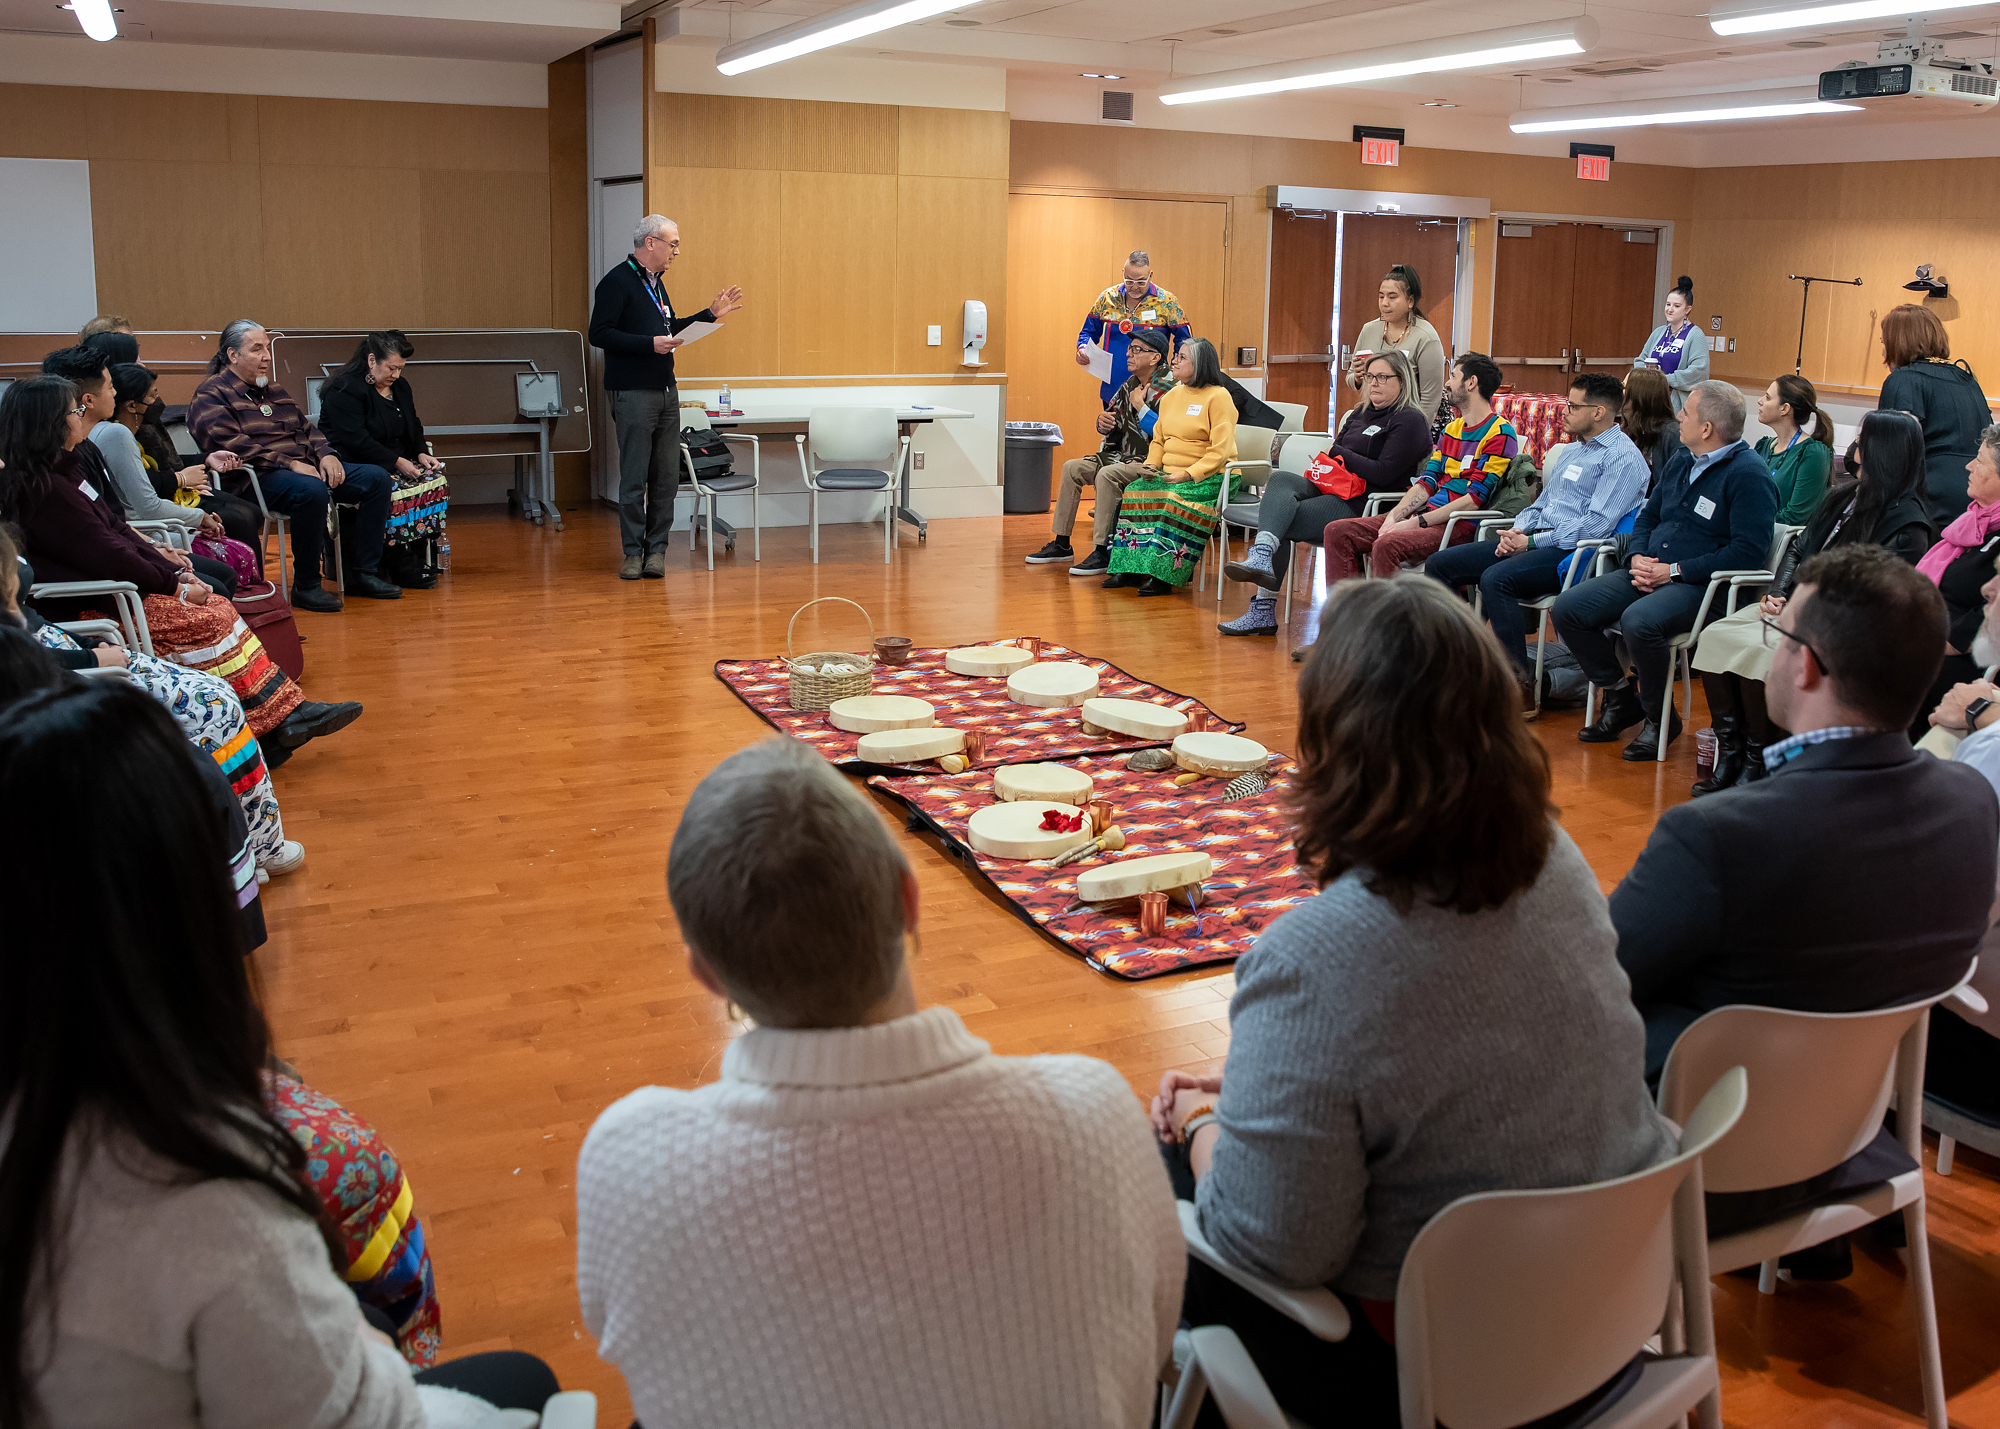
column 1383, row 1065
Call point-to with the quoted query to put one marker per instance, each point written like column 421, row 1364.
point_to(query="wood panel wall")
column 852, row 228
column 1099, row 159
column 325, row 212
column 1876, row 222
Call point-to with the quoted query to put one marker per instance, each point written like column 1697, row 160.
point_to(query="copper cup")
column 1199, row 721
column 975, row 745
column 1152, row 915
column 892, row 649
column 1101, row 815
column 1032, row 644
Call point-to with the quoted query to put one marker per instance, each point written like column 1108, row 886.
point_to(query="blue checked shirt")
column 1587, row 490
column 1778, row 755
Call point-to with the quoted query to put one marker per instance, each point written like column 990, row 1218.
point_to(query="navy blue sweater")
column 625, row 318
column 1720, row 522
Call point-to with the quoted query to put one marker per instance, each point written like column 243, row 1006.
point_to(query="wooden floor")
column 479, row 956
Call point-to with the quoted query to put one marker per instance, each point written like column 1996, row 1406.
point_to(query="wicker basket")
column 810, row 690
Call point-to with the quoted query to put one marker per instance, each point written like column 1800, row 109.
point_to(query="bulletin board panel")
column 459, row 378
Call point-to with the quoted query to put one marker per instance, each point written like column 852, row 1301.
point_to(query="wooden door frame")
column 1663, row 260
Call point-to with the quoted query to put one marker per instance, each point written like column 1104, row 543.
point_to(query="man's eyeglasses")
column 670, row 243
column 78, row 411
column 1771, row 627
column 1579, row 406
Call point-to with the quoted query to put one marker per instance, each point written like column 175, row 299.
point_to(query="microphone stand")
column 1805, row 296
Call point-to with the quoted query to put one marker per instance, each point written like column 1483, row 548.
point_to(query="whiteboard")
column 48, row 269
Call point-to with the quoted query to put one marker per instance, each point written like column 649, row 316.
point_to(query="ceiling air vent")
column 1115, row 106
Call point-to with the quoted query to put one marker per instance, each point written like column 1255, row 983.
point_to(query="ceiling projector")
column 1915, row 68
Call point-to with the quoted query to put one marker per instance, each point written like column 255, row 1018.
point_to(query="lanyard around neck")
column 654, row 285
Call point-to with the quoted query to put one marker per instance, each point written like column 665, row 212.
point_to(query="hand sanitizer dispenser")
column 975, row 332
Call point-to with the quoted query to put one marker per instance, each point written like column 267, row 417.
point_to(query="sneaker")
column 1094, row 564
column 628, row 569
column 289, row 858
column 1255, row 568
column 1056, row 552
column 1260, row 619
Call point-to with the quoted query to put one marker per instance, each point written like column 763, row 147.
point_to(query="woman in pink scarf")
column 1961, row 562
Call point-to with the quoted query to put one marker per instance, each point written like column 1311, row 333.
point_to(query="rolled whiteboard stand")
column 1805, row 296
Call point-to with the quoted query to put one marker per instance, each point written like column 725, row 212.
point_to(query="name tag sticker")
column 1146, row 316
column 1371, row 431
column 87, row 489
column 1703, row 507
column 1573, row 472
column 1194, row 409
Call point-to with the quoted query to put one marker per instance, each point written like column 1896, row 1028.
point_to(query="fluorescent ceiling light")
column 1494, row 47
column 1686, row 109
column 1763, row 16
column 834, row 29
column 95, row 17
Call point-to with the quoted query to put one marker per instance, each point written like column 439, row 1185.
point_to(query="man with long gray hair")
column 634, row 322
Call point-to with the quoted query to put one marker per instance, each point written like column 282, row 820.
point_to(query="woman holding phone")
column 1401, row 327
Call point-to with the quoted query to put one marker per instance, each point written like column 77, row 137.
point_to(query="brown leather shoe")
column 656, row 566
column 628, row 569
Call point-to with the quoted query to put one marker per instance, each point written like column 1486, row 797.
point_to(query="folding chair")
column 279, row 522
column 1823, row 1082
column 1513, row 1304
column 705, row 492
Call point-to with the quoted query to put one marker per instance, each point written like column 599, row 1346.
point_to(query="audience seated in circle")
column 1166, row 515
column 203, row 705
column 1466, row 468
column 370, row 417
column 1962, row 1062
column 1961, row 564
column 869, row 1218
column 1885, row 507
column 1712, row 510
column 1593, row 482
column 239, row 409
column 1446, row 1017
column 1382, row 442
column 89, row 371
column 1649, row 419
column 1799, row 450
column 162, row 1261
column 1126, row 424
column 73, row 534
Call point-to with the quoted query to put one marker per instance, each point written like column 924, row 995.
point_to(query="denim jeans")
column 1504, row 582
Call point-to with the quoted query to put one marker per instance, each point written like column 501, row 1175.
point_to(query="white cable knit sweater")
column 881, row 1226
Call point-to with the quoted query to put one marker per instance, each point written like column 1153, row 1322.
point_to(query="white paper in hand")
column 1100, row 361
column 695, row 332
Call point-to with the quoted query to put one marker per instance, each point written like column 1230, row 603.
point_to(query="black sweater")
column 1719, row 522
column 624, row 320
column 366, row 428
column 1946, row 399
column 1384, row 449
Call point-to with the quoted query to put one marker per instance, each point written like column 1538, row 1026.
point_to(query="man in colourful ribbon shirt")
column 1126, row 307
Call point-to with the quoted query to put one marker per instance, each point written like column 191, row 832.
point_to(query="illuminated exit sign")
column 1593, row 166
column 1381, row 151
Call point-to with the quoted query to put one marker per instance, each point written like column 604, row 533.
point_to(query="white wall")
column 214, row 69
column 961, row 475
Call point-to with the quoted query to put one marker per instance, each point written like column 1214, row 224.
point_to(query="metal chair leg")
column 756, row 529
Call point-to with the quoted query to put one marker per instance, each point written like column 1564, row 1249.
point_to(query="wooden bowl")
column 892, row 649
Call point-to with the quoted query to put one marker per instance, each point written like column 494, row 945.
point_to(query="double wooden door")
column 1570, row 298
column 1325, row 270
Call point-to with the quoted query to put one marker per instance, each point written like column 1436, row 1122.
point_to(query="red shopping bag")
column 1328, row 471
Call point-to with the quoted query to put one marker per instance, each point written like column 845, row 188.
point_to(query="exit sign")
column 1381, row 151
column 1593, row 166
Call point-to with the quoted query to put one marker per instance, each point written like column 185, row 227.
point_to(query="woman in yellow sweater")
column 1165, row 518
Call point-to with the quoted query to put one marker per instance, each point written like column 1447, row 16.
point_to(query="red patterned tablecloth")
column 1015, row 733
column 1250, row 841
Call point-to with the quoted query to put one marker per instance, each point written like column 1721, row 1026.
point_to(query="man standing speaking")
column 633, row 321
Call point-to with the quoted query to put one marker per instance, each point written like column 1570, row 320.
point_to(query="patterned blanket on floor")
column 1250, row 841
column 1015, row 733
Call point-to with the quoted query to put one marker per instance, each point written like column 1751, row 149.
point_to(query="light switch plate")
column 935, row 336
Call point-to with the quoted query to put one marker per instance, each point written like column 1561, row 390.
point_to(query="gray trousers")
column 648, row 425
column 1293, row 509
column 1110, row 480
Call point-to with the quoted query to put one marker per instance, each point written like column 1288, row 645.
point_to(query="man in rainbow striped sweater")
column 1472, row 456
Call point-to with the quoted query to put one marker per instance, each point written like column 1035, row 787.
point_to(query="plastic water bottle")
column 722, row 401
column 444, row 553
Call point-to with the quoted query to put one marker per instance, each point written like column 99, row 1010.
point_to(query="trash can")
column 1031, row 450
